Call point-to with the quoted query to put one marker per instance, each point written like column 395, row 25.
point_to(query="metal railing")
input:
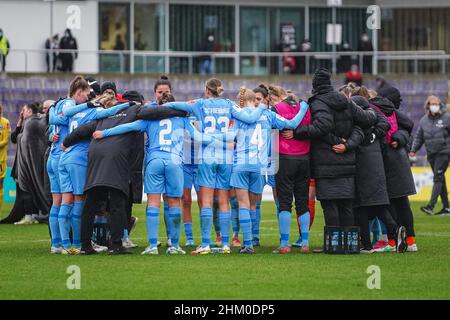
column 247, row 63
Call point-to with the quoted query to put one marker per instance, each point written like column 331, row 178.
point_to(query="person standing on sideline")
column 51, row 45
column 68, row 42
column 434, row 132
column 4, row 49
column 5, row 131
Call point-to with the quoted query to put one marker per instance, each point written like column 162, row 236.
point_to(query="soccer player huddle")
column 352, row 142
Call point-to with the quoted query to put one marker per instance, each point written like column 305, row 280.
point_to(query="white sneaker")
column 65, row 251
column 226, row 249
column 98, row 248
column 175, row 251
column 26, row 221
column 412, row 248
column 56, row 250
column 127, row 243
column 202, row 250
column 150, row 251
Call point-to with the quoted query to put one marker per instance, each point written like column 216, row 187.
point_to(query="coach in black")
column 109, row 172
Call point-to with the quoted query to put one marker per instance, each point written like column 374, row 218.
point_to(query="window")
column 114, row 35
column 149, row 35
column 201, row 28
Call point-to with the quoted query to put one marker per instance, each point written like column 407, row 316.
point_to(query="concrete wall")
column 27, row 25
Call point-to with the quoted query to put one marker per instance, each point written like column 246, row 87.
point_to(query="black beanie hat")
column 109, row 85
column 391, row 93
column 133, row 96
column 94, row 85
column 321, row 77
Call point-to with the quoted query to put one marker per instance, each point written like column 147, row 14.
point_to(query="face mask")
column 434, row 108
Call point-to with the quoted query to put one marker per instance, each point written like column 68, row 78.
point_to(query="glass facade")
column 149, row 35
column 114, row 34
column 188, row 29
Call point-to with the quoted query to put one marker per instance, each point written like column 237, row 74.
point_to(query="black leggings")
column 400, row 210
column 23, row 205
column 292, row 181
column 364, row 214
column 338, row 212
column 118, row 209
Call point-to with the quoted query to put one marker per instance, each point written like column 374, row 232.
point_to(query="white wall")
column 26, row 24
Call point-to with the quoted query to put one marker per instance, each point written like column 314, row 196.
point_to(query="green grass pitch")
column 28, row 271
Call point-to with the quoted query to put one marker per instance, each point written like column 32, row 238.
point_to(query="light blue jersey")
column 78, row 115
column 60, row 125
column 191, row 148
column 214, row 116
column 166, row 137
column 253, row 140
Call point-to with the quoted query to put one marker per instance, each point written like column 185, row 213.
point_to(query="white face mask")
column 434, row 108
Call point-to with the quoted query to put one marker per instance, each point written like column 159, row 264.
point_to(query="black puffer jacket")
column 399, row 178
column 334, row 117
column 370, row 177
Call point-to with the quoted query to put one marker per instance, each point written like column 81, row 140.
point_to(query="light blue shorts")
column 271, row 181
column 216, row 176
column 251, row 181
column 164, row 176
column 53, row 174
column 190, row 174
column 72, row 178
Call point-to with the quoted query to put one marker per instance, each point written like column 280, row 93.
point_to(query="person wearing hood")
column 372, row 198
column 434, row 132
column 335, row 133
column 68, row 42
column 399, row 178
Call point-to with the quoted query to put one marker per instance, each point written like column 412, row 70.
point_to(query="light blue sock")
column 175, row 217
column 76, row 222
column 167, row 221
column 54, row 227
column 224, row 218
column 234, row 214
column 215, row 217
column 303, row 221
column 188, row 230
column 152, row 225
column 206, row 222
column 246, row 226
column 285, row 225
column 64, row 223
column 253, row 218
column 258, row 221
column 125, row 234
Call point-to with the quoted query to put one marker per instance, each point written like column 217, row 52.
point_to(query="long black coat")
column 334, row 117
column 399, row 178
column 371, row 188
column 109, row 158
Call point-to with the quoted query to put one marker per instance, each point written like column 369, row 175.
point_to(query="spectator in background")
column 306, row 46
column 354, row 75
column 5, row 131
column 345, row 61
column 52, row 44
column 434, row 128
column 365, row 44
column 4, row 49
column 68, row 42
column 206, row 62
column 120, row 45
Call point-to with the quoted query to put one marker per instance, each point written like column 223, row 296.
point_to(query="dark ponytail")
column 163, row 81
